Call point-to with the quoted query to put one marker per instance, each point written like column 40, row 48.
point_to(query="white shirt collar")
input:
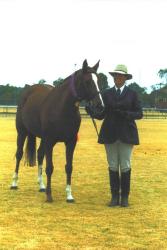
column 121, row 89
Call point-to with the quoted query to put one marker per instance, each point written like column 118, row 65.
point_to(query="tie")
column 118, row 92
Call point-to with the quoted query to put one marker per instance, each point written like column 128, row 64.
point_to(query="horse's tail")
column 30, row 151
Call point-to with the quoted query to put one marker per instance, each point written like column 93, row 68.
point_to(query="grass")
column 27, row 222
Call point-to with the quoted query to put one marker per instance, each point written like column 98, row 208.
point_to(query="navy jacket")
column 119, row 117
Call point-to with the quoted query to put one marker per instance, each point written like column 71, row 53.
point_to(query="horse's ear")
column 85, row 66
column 95, row 67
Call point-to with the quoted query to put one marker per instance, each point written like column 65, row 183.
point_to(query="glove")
column 97, row 114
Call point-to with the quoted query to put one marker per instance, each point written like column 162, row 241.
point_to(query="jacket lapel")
column 113, row 91
column 112, row 94
column 124, row 92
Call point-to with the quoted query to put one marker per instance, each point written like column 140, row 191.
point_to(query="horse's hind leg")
column 21, row 136
column 40, row 162
column 49, row 169
column 70, row 146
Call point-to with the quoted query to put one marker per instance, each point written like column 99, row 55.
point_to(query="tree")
column 163, row 75
column 143, row 96
column 42, row 81
column 58, row 82
column 157, row 86
column 9, row 95
column 102, row 81
column 159, row 96
column 137, row 88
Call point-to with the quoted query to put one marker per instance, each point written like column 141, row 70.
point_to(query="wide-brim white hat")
column 121, row 69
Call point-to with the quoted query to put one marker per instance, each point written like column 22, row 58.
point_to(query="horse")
column 52, row 114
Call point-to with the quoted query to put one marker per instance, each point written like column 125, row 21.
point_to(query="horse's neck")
column 64, row 98
column 71, row 87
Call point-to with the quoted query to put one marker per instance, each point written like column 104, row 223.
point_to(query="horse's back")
column 37, row 90
column 29, row 106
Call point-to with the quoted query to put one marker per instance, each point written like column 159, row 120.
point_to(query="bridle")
column 73, row 89
column 75, row 94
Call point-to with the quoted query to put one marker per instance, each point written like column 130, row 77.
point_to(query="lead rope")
column 75, row 94
column 95, row 125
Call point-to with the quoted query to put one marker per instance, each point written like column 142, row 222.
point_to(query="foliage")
column 58, row 82
column 163, row 74
column 137, row 88
column 9, row 95
column 42, row 81
column 102, row 81
column 143, row 96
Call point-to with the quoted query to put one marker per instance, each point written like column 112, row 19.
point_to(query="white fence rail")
column 149, row 113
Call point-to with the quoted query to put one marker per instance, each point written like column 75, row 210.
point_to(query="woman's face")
column 119, row 80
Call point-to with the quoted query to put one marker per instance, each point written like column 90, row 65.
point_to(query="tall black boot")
column 114, row 186
column 125, row 188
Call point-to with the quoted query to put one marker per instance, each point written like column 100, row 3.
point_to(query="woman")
column 119, row 133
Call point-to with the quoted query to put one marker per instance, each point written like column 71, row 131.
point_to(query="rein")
column 95, row 126
column 74, row 92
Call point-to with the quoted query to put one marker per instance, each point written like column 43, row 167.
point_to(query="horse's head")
column 88, row 88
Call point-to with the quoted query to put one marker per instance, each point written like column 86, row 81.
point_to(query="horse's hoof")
column 70, row 201
column 49, row 200
column 42, row 190
column 13, row 187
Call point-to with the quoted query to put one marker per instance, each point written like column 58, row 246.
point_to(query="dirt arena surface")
column 28, row 222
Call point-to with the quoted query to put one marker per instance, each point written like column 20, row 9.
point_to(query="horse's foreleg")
column 49, row 171
column 19, row 153
column 40, row 180
column 40, row 162
column 68, row 168
column 14, row 181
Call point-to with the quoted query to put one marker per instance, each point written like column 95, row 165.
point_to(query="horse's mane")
column 66, row 80
column 76, row 73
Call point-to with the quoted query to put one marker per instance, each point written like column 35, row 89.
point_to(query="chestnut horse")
column 52, row 114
